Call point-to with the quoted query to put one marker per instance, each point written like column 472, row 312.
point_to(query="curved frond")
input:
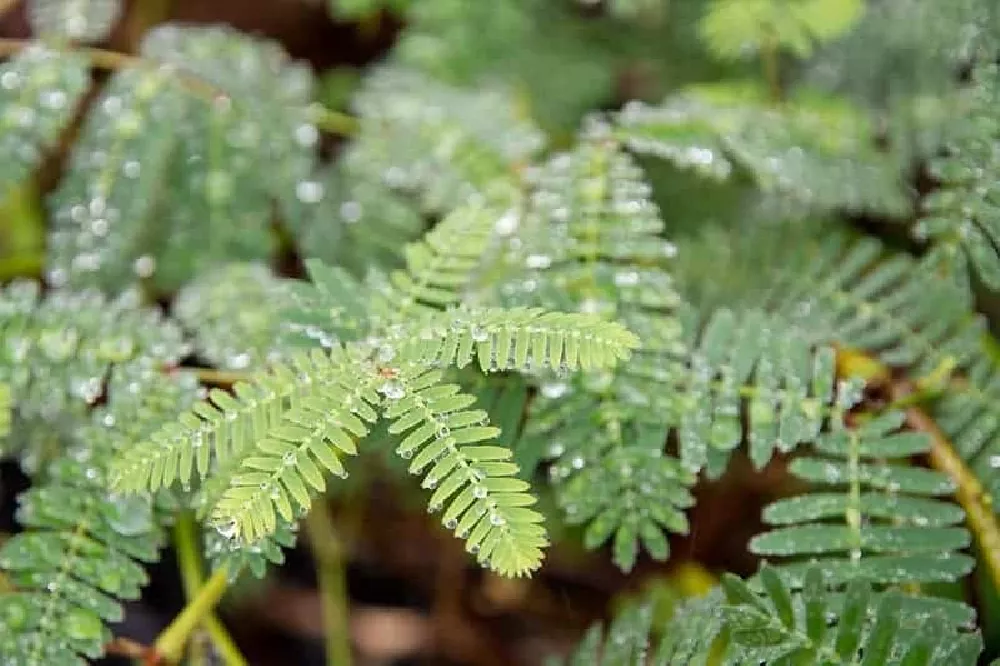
column 441, row 266
column 855, row 294
column 816, row 151
column 786, row 382
column 39, row 91
column 226, row 427
column 739, row 28
column 305, row 441
column 83, row 549
column 76, row 20
column 472, row 478
column 865, row 628
column 233, row 313
column 876, row 518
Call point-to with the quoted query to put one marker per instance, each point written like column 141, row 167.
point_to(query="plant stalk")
column 970, row 494
column 331, row 122
column 332, row 578
column 170, row 644
column 193, row 579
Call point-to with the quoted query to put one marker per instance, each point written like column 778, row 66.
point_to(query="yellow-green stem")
column 329, row 121
column 771, row 63
column 170, row 644
column 193, row 578
column 328, row 553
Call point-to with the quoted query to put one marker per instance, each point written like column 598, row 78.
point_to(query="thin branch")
column 329, row 556
column 331, row 122
column 970, row 494
column 170, row 644
column 193, row 579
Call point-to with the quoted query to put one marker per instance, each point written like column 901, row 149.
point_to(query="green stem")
column 772, row 67
column 328, row 552
column 170, row 643
column 193, row 579
column 21, row 265
column 333, row 122
column 329, row 121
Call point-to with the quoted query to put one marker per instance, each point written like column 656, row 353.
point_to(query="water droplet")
column 429, row 483
column 309, row 191
column 351, row 212
column 497, row 520
column 479, row 492
column 553, row 390
column 227, row 530
column 508, row 223
column 131, row 169
column 144, row 266
column 392, row 390
column 306, row 135
column 10, row 80
column 538, row 261
column 385, row 353
column 451, row 524
column 627, row 278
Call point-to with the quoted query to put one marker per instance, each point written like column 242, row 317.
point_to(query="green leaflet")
column 813, row 150
column 878, row 521
column 83, row 549
column 39, row 90
column 76, row 20
column 861, row 627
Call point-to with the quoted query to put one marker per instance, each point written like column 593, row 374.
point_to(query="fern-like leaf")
column 39, row 89
column 816, row 151
column 361, row 223
column 879, row 520
column 76, row 20
column 854, row 294
column 289, row 459
column 687, row 639
column 83, row 549
column 473, row 479
column 517, row 338
column 779, row 627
